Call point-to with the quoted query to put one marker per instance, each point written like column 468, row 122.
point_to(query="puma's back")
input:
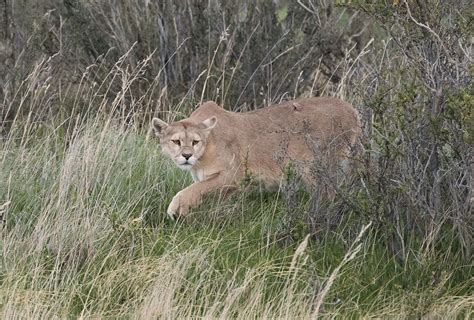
column 265, row 140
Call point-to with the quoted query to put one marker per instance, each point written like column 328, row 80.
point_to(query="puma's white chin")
column 185, row 166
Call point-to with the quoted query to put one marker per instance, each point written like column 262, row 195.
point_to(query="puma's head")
column 183, row 141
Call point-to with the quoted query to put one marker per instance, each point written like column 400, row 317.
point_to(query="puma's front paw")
column 179, row 206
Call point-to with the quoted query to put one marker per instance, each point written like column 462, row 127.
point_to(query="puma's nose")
column 186, row 155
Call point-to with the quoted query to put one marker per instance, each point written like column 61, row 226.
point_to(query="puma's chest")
column 198, row 174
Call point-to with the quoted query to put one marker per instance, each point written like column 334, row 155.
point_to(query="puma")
column 220, row 147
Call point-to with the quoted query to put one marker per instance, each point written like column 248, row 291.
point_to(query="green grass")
column 86, row 234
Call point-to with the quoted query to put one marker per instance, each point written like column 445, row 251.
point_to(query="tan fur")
column 260, row 142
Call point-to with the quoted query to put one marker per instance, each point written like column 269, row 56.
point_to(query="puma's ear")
column 158, row 126
column 208, row 124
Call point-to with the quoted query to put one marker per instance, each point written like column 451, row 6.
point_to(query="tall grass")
column 84, row 234
column 84, row 188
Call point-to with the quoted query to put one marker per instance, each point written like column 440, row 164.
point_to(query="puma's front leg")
column 191, row 196
column 182, row 202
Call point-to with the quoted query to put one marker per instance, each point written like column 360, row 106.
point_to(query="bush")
column 416, row 98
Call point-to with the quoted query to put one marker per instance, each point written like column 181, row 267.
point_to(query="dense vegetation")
column 84, row 188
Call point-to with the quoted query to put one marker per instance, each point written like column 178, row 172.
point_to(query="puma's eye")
column 195, row 142
column 177, row 142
